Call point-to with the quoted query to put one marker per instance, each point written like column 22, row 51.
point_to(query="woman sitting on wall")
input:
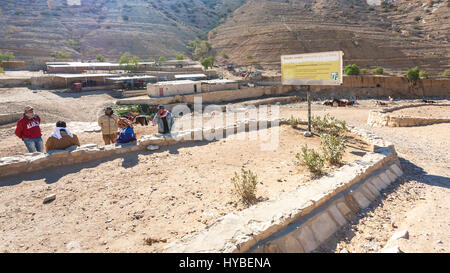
column 126, row 132
column 61, row 138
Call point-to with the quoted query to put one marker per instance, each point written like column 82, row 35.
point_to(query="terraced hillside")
column 84, row 28
column 394, row 34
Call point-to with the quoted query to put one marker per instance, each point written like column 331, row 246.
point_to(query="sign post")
column 324, row 68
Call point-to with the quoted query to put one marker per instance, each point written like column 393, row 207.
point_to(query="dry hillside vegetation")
column 396, row 36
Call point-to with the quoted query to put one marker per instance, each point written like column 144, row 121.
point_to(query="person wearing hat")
column 165, row 120
column 61, row 138
column 28, row 129
column 108, row 123
column 126, row 132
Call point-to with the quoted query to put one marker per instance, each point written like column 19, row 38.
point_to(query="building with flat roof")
column 192, row 77
column 173, row 88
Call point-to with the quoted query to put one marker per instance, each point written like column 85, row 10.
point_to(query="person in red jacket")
column 29, row 131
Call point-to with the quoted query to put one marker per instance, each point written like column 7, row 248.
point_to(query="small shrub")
column 333, row 148
column 7, row 56
column 224, row 54
column 423, row 74
column 364, row 71
column 351, row 69
column 446, row 73
column 180, row 57
column 293, row 121
column 100, row 58
column 413, row 74
column 162, row 59
column 328, row 125
column 245, row 185
column 378, row 71
column 1, row 70
column 311, row 160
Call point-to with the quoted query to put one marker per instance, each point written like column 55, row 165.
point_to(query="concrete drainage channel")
column 301, row 220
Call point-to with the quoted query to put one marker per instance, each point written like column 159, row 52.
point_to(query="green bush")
column 413, row 74
column 60, row 55
column 328, row 125
column 364, row 71
column 7, row 56
column 333, row 148
column 378, row 71
column 351, row 69
column 1, row 70
column 293, row 121
column 180, row 57
column 245, row 185
column 128, row 62
column 100, row 58
column 162, row 59
column 207, row 62
column 311, row 160
column 423, row 74
column 446, row 73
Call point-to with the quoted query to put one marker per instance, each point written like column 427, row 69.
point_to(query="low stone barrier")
column 9, row 118
column 386, row 117
column 299, row 221
column 11, row 82
column 14, row 165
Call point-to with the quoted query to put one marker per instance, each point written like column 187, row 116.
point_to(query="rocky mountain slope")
column 397, row 34
column 84, row 28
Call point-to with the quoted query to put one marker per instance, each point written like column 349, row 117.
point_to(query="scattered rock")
column 49, row 198
column 404, row 234
column 394, row 249
column 152, row 147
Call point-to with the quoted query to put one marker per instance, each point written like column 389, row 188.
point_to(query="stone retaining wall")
column 9, row 118
column 299, row 221
column 216, row 96
column 385, row 117
column 19, row 82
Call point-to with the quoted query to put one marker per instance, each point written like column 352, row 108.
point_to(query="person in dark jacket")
column 61, row 138
column 28, row 129
column 126, row 132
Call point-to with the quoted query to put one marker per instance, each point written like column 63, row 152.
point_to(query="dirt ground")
column 115, row 204
column 123, row 203
column 425, row 111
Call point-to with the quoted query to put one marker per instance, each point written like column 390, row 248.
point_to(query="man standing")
column 108, row 123
column 29, row 131
column 165, row 120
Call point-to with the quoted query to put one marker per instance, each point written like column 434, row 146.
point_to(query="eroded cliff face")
column 397, row 35
column 84, row 28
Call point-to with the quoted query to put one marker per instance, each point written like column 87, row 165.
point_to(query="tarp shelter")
column 191, row 77
column 133, row 81
column 86, row 79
